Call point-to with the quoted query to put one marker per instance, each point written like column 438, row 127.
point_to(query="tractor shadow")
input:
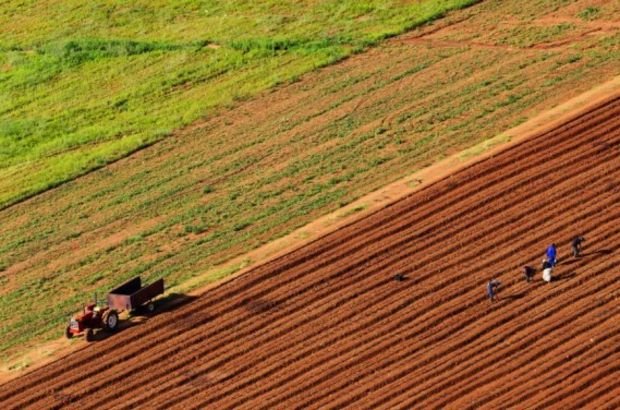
column 124, row 324
column 171, row 302
column 165, row 304
column 140, row 316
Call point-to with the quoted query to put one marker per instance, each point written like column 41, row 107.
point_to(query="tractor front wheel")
column 150, row 307
column 110, row 320
column 68, row 333
column 89, row 335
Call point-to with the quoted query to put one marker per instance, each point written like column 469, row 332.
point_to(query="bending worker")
column 575, row 244
column 492, row 287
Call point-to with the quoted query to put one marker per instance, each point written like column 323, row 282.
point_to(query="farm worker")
column 492, row 287
column 552, row 254
column 575, row 245
column 546, row 275
column 528, row 271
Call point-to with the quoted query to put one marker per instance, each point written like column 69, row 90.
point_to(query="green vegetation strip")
column 84, row 83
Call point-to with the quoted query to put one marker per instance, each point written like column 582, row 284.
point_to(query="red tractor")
column 93, row 317
column 129, row 296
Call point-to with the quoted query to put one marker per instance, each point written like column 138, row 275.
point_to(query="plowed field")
column 327, row 326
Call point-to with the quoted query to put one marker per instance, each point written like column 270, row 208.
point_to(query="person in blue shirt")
column 492, row 287
column 552, row 255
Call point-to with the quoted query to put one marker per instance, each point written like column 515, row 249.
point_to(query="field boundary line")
column 395, row 191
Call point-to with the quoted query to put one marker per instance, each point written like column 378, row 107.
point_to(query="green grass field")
column 82, row 84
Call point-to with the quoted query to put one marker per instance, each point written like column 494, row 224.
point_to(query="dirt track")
column 328, row 327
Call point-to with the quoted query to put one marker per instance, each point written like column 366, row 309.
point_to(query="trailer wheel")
column 88, row 335
column 110, row 320
column 150, row 307
column 68, row 333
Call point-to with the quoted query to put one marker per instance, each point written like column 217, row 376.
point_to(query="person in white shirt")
column 546, row 275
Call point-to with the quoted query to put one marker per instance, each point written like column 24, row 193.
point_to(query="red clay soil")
column 327, row 326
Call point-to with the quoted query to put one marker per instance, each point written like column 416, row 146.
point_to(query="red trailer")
column 129, row 296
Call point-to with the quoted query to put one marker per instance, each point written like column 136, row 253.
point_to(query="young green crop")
column 83, row 84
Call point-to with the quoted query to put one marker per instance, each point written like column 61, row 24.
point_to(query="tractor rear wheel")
column 89, row 334
column 68, row 333
column 110, row 320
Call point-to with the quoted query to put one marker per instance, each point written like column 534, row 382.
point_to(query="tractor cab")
column 89, row 311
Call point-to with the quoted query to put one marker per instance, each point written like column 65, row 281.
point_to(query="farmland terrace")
column 256, row 171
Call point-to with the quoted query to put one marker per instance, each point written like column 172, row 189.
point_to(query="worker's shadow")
column 574, row 260
column 568, row 262
column 515, row 296
column 595, row 253
column 564, row 276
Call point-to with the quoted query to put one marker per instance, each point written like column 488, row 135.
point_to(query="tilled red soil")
column 327, row 326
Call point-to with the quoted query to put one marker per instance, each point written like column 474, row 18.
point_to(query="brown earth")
column 326, row 326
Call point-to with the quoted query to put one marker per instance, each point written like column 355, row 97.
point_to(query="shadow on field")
column 599, row 252
column 140, row 316
column 172, row 301
column 515, row 296
column 101, row 334
column 564, row 276
column 568, row 262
